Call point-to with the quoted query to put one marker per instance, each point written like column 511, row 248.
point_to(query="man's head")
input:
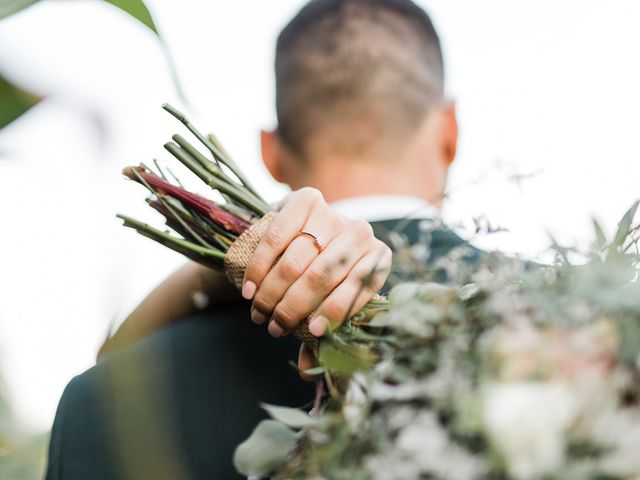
column 359, row 87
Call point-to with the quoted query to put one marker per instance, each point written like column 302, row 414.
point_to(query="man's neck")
column 417, row 167
column 353, row 179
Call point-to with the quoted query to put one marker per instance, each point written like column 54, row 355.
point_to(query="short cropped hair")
column 352, row 75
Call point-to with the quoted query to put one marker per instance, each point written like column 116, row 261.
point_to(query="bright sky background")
column 543, row 87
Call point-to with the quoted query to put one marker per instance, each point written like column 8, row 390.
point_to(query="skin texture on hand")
column 289, row 279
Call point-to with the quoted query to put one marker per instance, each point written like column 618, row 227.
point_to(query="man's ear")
column 449, row 132
column 272, row 154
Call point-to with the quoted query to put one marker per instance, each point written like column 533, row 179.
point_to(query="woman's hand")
column 290, row 276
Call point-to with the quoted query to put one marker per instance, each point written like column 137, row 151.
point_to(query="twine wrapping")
column 237, row 258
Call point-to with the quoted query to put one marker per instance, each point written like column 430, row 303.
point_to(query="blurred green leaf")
column 629, row 340
column 266, row 448
column 601, row 238
column 624, row 226
column 344, row 358
column 292, row 417
column 14, row 101
column 9, row 7
column 137, row 9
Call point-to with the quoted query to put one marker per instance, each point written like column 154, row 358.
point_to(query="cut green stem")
column 245, row 198
column 217, row 154
column 208, row 256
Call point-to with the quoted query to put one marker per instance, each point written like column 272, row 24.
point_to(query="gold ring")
column 318, row 241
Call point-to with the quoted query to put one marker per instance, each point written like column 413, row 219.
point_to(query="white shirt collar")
column 376, row 208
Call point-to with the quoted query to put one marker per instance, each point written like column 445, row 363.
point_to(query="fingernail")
column 257, row 317
column 318, row 326
column 248, row 290
column 275, row 330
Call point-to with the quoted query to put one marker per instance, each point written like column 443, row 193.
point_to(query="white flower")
column 423, row 449
column 527, row 424
column 353, row 408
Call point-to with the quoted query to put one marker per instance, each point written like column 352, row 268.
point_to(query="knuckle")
column 368, row 277
column 380, row 276
column 334, row 309
column 285, row 316
column 256, row 268
column 335, row 222
column 387, row 257
column 362, row 228
column 272, row 238
column 319, row 276
column 291, row 268
column 313, row 194
column 262, row 304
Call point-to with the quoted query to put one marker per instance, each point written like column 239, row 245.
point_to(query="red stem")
column 204, row 206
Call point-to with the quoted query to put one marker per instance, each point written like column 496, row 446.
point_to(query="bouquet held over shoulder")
column 518, row 371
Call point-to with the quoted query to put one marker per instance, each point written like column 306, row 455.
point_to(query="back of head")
column 356, row 78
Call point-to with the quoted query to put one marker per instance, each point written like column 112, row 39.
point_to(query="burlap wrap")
column 237, row 258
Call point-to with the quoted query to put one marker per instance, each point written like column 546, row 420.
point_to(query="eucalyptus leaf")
column 10, row 7
column 14, row 101
column 466, row 292
column 266, row 448
column 292, row 417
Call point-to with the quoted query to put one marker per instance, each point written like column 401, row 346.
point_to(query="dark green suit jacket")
column 177, row 403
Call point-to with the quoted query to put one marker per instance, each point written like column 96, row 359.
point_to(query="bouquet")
column 519, row 371
column 223, row 234
column 522, row 372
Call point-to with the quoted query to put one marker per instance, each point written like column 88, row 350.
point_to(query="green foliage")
column 138, row 10
column 266, row 448
column 291, row 417
column 342, row 357
column 601, row 238
column 518, row 372
column 10, row 7
column 14, row 101
column 624, row 226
